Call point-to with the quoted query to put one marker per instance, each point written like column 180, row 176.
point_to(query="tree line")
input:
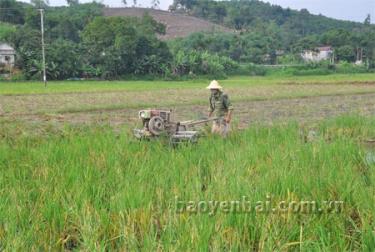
column 264, row 29
column 82, row 43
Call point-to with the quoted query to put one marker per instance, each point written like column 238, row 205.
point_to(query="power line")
column 43, row 49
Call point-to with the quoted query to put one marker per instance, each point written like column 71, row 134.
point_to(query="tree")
column 27, row 44
column 368, row 20
column 120, row 46
column 65, row 53
column 12, row 12
column 155, row 4
column 307, row 43
column 337, row 38
column 150, row 23
column 345, row 53
column 64, row 59
column 40, row 4
column 124, row 2
column 185, row 5
column 6, row 30
column 66, row 23
column 72, row 2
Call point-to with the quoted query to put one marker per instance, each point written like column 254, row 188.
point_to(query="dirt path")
column 268, row 111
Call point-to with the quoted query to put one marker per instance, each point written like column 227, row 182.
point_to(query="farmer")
column 221, row 108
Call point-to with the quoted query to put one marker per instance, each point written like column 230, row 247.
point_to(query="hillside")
column 177, row 25
column 244, row 15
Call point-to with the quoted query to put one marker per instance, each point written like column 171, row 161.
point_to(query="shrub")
column 346, row 67
column 197, row 63
column 249, row 69
column 317, row 71
column 18, row 76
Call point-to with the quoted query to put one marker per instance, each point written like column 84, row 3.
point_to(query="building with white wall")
column 7, row 54
column 320, row 54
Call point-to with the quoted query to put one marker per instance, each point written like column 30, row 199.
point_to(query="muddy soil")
column 301, row 110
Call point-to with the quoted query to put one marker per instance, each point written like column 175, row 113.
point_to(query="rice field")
column 285, row 186
column 118, row 102
column 90, row 189
column 17, row 88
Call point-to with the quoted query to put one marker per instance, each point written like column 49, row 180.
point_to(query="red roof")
column 325, row 48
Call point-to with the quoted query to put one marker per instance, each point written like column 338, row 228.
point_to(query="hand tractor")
column 157, row 123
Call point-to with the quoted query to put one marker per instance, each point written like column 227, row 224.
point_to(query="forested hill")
column 246, row 14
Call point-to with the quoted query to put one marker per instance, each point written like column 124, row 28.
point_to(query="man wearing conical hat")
column 221, row 108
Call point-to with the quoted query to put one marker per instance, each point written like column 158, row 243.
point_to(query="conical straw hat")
column 214, row 85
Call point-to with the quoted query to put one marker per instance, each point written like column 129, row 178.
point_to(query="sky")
column 354, row 10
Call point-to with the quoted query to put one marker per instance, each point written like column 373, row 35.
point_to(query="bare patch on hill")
column 177, row 25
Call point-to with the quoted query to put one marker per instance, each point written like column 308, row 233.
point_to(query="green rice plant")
column 91, row 189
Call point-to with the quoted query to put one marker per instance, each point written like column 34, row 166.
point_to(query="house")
column 7, row 54
column 319, row 54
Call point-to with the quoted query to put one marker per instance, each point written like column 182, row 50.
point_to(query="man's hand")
column 228, row 118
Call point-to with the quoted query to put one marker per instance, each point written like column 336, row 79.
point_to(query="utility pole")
column 43, row 46
column 10, row 70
